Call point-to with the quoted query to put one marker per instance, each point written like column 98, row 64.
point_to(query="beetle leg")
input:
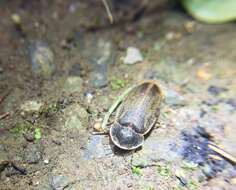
column 100, row 133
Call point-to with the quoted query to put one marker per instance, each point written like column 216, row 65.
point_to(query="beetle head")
column 125, row 137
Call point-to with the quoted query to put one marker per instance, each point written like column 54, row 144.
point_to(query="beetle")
column 136, row 115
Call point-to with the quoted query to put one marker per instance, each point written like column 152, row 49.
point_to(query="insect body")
column 136, row 115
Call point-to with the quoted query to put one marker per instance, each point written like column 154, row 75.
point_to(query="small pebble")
column 29, row 136
column 97, row 126
column 89, row 97
column 133, row 55
column 189, row 26
column 46, row 161
column 170, row 36
column 16, row 19
column 173, row 36
column 204, row 74
column 129, row 185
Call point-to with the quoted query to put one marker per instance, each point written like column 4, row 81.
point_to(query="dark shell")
column 125, row 137
column 136, row 115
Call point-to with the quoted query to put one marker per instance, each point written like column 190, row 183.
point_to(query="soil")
column 47, row 121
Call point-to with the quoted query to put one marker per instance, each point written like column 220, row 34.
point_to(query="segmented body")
column 140, row 109
column 136, row 115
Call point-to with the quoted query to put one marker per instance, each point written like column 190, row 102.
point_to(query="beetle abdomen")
column 137, row 107
column 134, row 117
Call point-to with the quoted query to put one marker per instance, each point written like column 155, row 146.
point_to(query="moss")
column 189, row 166
column 21, row 127
column 136, row 170
column 215, row 108
column 192, row 184
column 117, row 84
column 50, row 108
column 164, row 171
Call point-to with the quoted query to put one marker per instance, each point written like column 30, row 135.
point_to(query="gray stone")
column 99, row 79
column 32, row 153
column 99, row 52
column 154, row 149
column 76, row 117
column 59, row 182
column 42, row 59
column 133, row 55
column 173, row 98
column 31, row 106
column 98, row 55
column 97, row 148
column 73, row 84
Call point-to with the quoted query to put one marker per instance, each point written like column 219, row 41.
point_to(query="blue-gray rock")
column 97, row 148
column 99, row 77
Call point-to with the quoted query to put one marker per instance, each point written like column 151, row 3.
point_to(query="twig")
column 8, row 163
column 100, row 133
column 222, row 153
column 19, row 169
column 3, row 116
column 109, row 14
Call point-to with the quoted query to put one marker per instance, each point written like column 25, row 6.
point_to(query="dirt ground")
column 61, row 68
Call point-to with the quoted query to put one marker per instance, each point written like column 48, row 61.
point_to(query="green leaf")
column 117, row 84
column 211, row 11
column 37, row 134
